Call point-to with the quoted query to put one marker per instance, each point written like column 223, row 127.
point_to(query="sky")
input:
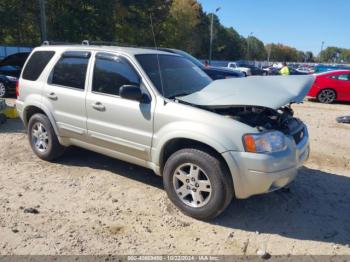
column 303, row 24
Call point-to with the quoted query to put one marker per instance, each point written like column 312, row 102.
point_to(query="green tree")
column 334, row 54
column 227, row 43
column 256, row 50
column 19, row 22
column 182, row 25
column 280, row 52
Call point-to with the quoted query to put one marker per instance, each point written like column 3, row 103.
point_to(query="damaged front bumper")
column 256, row 173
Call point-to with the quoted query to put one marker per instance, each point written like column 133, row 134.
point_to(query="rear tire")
column 326, row 96
column 197, row 183
column 43, row 139
column 3, row 90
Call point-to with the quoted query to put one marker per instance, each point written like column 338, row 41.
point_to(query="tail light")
column 17, row 88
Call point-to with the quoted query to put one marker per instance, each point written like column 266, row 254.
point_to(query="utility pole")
column 211, row 34
column 42, row 20
column 248, row 44
column 321, row 50
column 268, row 54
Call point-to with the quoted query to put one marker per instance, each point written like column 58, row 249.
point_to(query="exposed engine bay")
column 263, row 118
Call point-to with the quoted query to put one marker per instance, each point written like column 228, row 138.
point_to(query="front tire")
column 43, row 139
column 326, row 96
column 197, row 183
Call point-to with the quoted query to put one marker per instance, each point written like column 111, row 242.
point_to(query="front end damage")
column 265, row 172
column 266, row 119
column 273, row 153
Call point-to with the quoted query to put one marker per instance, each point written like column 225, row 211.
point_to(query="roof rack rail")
column 111, row 43
column 87, row 43
column 57, row 43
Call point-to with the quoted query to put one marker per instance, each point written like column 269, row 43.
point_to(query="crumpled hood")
column 271, row 91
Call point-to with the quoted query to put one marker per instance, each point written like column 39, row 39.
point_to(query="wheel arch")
column 176, row 144
column 33, row 109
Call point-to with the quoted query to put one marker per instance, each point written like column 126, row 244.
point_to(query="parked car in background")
column 10, row 69
column 234, row 66
column 307, row 70
column 211, row 141
column 255, row 70
column 331, row 86
column 213, row 72
column 293, row 71
column 326, row 68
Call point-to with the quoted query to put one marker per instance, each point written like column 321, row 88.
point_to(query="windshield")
column 179, row 76
column 191, row 58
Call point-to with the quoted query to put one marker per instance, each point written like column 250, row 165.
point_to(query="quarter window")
column 70, row 71
column 112, row 72
column 36, row 64
column 343, row 77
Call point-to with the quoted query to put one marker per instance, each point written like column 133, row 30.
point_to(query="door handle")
column 99, row 106
column 52, row 96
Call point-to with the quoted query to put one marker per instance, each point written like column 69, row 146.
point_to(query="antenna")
column 155, row 44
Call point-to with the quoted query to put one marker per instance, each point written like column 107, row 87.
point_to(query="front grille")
column 298, row 136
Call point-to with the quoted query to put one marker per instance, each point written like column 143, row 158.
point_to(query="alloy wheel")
column 192, row 185
column 326, row 96
column 2, row 89
column 40, row 137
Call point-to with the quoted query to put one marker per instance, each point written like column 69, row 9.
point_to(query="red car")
column 331, row 86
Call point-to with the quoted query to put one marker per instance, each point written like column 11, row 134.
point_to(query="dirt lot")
column 91, row 204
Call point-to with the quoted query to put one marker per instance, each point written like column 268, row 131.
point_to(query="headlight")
column 11, row 78
column 264, row 143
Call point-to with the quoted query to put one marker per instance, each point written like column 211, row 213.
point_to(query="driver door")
column 114, row 123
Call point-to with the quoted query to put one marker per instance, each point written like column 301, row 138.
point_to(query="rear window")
column 36, row 64
column 70, row 71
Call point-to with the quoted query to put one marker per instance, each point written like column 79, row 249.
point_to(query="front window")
column 111, row 73
column 173, row 75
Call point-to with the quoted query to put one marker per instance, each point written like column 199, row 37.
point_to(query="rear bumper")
column 19, row 107
column 262, row 173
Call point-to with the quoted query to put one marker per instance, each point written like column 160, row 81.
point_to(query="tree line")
column 180, row 24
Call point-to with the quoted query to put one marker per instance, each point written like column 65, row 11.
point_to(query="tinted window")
column 17, row 59
column 70, row 72
column 191, row 58
column 173, row 75
column 110, row 73
column 36, row 64
column 343, row 77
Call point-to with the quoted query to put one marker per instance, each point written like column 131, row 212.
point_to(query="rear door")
column 342, row 86
column 114, row 123
column 64, row 93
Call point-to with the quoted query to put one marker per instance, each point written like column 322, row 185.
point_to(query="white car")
column 245, row 70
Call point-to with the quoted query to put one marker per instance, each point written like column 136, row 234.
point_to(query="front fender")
column 203, row 133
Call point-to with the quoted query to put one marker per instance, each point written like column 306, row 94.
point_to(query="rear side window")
column 70, row 70
column 344, row 77
column 36, row 64
column 112, row 72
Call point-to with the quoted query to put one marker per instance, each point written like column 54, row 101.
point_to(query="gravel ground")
column 87, row 203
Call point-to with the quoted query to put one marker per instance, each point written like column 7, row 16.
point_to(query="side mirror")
column 131, row 92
